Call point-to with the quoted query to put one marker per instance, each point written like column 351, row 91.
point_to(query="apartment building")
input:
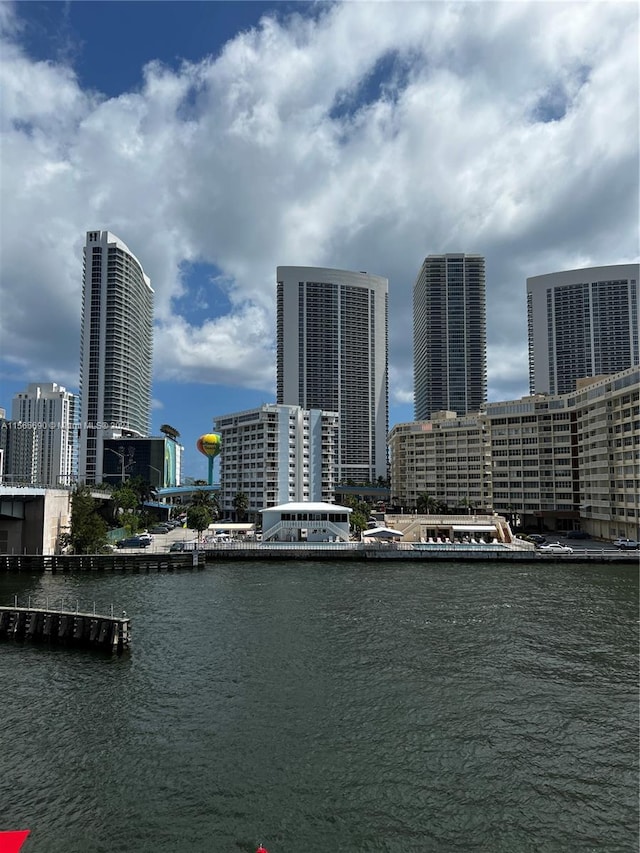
column 40, row 437
column 446, row 458
column 449, row 335
column 277, row 454
column 549, row 462
column 116, row 349
column 608, row 454
column 332, row 356
column 534, row 470
column 582, row 323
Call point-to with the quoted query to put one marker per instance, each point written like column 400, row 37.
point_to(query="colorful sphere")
column 209, row 444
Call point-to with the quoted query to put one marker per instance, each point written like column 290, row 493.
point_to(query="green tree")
column 88, row 533
column 208, row 499
column 426, row 504
column 199, row 518
column 126, row 502
column 241, row 505
column 467, row 505
column 358, row 506
column 358, row 521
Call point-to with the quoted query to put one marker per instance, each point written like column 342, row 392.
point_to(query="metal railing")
column 56, row 604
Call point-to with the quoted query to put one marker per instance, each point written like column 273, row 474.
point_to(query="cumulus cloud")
column 363, row 137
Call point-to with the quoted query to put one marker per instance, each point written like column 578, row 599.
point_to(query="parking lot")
column 161, row 542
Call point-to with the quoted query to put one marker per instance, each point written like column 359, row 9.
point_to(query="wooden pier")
column 89, row 630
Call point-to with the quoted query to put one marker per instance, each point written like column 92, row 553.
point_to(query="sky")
column 220, row 140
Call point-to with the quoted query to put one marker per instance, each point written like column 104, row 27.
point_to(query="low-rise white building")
column 306, row 522
column 276, row 454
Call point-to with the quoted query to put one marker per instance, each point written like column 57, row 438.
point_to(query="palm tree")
column 426, row 504
column 241, row 505
column 209, row 500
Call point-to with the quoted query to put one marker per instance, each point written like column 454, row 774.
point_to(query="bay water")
column 320, row 707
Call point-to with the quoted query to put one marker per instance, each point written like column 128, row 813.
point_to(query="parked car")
column 626, row 544
column 578, row 534
column 183, row 546
column 555, row 548
column 538, row 538
column 159, row 528
column 146, row 536
column 133, row 542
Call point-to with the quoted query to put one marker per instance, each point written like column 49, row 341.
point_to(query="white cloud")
column 286, row 150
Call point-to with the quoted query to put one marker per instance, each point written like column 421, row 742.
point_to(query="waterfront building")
column 549, row 462
column 276, row 454
column 535, row 479
column 306, row 521
column 449, row 335
column 332, row 356
column 608, row 454
column 446, row 459
column 582, row 323
column 116, row 349
column 40, row 437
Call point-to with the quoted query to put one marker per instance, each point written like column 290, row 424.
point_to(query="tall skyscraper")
column 332, row 356
column 582, row 323
column 41, row 436
column 449, row 335
column 116, row 349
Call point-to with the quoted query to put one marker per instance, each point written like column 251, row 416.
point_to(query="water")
column 323, row 708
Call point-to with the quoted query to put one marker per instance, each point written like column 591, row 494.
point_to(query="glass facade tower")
column 116, row 349
column 449, row 335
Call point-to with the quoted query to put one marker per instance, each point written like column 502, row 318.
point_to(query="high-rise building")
column 116, row 349
column 582, row 323
column 332, row 356
column 40, row 437
column 277, row 455
column 449, row 335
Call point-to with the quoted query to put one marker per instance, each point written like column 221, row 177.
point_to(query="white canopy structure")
column 382, row 533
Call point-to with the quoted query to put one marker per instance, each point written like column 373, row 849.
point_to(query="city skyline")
column 231, row 138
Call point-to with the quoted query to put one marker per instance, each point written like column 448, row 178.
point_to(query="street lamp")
column 160, row 476
column 122, row 458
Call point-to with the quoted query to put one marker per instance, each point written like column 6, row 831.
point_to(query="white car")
column 626, row 544
column 555, row 548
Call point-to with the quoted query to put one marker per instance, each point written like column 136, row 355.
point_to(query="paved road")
column 163, row 541
column 580, row 545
